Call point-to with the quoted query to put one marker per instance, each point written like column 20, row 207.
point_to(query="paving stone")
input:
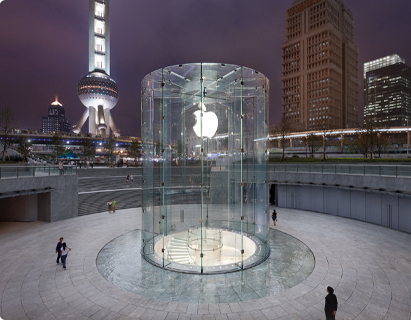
column 371, row 276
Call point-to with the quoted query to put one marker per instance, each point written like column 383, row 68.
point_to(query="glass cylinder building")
column 205, row 197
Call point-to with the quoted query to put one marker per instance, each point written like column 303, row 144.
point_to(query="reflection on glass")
column 205, row 198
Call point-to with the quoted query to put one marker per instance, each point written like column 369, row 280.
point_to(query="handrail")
column 8, row 172
column 190, row 239
column 365, row 170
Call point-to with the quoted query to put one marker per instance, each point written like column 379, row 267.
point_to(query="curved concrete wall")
column 385, row 201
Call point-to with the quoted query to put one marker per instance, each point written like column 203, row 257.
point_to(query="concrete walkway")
column 369, row 267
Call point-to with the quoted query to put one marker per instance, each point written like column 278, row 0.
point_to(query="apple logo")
column 210, row 123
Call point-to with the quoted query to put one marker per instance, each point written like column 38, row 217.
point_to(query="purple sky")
column 44, row 46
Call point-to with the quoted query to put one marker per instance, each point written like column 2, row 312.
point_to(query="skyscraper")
column 55, row 122
column 97, row 91
column 387, row 91
column 320, row 66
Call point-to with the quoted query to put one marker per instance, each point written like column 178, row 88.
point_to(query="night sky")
column 44, row 46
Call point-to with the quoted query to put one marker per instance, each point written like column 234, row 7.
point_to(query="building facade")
column 387, row 91
column 56, row 121
column 320, row 66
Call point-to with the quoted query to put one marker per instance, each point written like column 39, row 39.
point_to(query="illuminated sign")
column 302, row 6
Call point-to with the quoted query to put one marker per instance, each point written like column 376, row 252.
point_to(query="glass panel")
column 25, row 171
column 151, row 85
column 292, row 168
column 41, row 171
column 328, row 169
column 316, row 168
column 404, row 171
column 388, row 171
column 54, row 171
column 8, row 172
column 356, row 169
column 372, row 170
column 342, row 169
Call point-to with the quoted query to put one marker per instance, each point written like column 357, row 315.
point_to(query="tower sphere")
column 98, row 89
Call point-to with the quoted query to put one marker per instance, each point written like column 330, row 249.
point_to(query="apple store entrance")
column 205, row 197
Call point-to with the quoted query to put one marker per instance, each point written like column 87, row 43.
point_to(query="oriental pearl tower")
column 97, row 91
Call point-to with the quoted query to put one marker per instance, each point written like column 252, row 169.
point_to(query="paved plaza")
column 369, row 267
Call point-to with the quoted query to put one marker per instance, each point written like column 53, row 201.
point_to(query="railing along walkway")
column 403, row 171
column 34, row 171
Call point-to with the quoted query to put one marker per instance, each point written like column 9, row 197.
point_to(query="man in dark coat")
column 58, row 250
column 274, row 217
column 331, row 304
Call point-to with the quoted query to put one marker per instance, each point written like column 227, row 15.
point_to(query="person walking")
column 274, row 217
column 61, row 168
column 64, row 251
column 128, row 178
column 58, row 250
column 131, row 178
column 331, row 304
column 114, row 205
column 109, row 206
column 80, row 163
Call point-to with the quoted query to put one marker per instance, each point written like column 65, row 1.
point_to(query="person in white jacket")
column 64, row 251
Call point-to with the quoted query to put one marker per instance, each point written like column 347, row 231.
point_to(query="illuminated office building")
column 387, row 91
column 320, row 66
column 55, row 121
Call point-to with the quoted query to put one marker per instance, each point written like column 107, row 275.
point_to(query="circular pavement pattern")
column 369, row 267
column 290, row 262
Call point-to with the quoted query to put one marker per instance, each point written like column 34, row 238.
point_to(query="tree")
column 362, row 143
column 87, row 148
column 326, row 126
column 381, row 143
column 23, row 147
column 313, row 142
column 110, row 146
column 58, row 147
column 7, row 119
column 369, row 139
column 283, row 128
column 134, row 149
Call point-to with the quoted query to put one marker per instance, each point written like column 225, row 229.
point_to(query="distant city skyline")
column 43, row 45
